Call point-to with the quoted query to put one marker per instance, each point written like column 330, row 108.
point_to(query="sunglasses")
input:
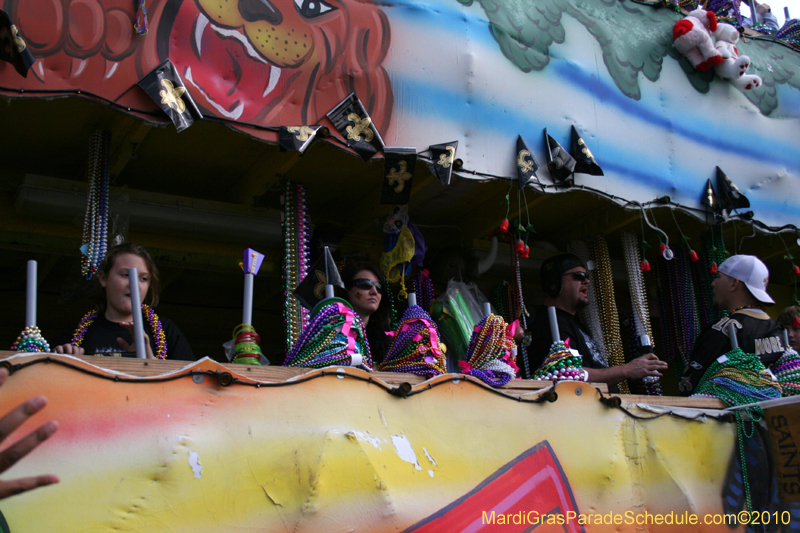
column 366, row 284
column 579, row 276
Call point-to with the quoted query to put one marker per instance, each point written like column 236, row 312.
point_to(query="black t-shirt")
column 569, row 327
column 101, row 337
column 756, row 332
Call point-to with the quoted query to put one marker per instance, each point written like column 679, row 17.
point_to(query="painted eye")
column 312, row 8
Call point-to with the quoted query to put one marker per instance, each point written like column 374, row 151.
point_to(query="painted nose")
column 255, row 10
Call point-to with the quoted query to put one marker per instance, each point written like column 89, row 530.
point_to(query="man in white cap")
column 741, row 289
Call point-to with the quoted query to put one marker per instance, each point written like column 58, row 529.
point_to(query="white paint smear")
column 376, row 442
column 405, row 451
column 430, row 473
column 430, row 458
column 194, row 462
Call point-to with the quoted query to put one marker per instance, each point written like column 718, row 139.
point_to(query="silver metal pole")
column 30, row 297
column 136, row 309
column 551, row 313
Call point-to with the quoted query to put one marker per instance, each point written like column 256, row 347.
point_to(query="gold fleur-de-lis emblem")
column 319, row 288
column 12, row 39
column 399, row 176
column 302, row 132
column 585, row 150
column 445, row 160
column 171, row 96
column 525, row 165
column 360, row 126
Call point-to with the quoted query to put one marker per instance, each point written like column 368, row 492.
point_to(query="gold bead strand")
column 608, row 308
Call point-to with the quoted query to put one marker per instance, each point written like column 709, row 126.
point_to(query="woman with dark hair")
column 369, row 296
column 109, row 326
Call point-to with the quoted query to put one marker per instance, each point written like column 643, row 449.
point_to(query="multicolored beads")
column 561, row 364
column 30, row 340
column 787, row 371
column 247, row 349
column 323, row 342
column 491, row 356
column 415, row 346
column 156, row 329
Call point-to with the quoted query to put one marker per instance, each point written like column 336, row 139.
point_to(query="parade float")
column 218, row 126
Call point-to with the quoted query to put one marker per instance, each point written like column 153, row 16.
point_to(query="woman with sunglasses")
column 367, row 293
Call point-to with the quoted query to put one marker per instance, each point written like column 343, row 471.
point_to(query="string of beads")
column 296, row 235
column 156, row 329
column 607, row 306
column 641, row 311
column 95, row 222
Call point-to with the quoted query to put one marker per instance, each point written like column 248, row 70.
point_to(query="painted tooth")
column 76, row 71
column 199, row 27
column 110, row 71
column 274, row 76
column 38, row 70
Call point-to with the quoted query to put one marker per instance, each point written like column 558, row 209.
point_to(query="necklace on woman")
column 156, row 329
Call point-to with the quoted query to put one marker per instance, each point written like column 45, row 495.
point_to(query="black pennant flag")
column 585, row 162
column 311, row 290
column 398, row 170
column 526, row 164
column 560, row 164
column 352, row 121
column 165, row 86
column 729, row 194
column 711, row 203
column 13, row 48
column 444, row 156
column 296, row 138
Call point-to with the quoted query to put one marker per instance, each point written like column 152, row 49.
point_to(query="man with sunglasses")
column 565, row 282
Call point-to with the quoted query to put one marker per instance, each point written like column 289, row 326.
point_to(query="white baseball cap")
column 752, row 272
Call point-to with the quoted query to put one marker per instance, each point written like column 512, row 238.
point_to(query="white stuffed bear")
column 692, row 38
column 733, row 66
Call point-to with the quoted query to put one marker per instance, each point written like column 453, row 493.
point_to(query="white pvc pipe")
column 732, row 335
column 551, row 313
column 136, row 309
column 30, row 297
column 247, row 308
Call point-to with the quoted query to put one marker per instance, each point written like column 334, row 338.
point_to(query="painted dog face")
column 264, row 62
column 281, row 61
